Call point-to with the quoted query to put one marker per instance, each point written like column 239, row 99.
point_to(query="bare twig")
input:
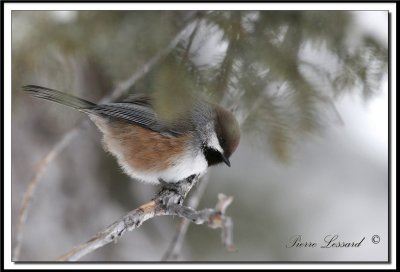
column 167, row 202
column 190, row 42
column 124, row 86
column 60, row 145
column 174, row 249
column 27, row 198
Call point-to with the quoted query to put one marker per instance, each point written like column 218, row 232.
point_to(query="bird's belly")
column 179, row 170
column 182, row 168
column 149, row 156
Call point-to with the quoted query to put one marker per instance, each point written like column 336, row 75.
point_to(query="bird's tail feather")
column 57, row 96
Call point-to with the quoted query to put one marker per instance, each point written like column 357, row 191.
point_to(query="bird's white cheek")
column 214, row 143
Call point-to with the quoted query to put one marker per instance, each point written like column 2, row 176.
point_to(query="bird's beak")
column 226, row 160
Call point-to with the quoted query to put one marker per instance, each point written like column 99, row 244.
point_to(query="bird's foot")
column 174, row 192
column 170, row 186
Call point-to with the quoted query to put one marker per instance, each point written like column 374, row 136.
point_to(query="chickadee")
column 154, row 150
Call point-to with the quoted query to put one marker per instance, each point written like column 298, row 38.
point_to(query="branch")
column 121, row 89
column 174, row 249
column 32, row 186
column 190, row 42
column 167, row 202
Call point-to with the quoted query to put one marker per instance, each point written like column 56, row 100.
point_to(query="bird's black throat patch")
column 212, row 156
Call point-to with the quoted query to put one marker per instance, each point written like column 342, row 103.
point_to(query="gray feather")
column 57, row 96
column 127, row 111
column 137, row 109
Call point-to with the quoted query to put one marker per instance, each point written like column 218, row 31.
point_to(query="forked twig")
column 167, row 202
column 174, row 248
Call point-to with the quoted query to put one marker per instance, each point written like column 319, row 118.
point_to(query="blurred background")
column 309, row 89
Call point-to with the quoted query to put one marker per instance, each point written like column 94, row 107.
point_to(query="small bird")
column 153, row 149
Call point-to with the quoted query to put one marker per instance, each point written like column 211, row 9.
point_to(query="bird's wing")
column 138, row 110
column 130, row 112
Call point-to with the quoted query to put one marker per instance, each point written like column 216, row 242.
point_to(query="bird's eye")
column 221, row 141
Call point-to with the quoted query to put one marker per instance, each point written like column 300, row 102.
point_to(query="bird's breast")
column 148, row 155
